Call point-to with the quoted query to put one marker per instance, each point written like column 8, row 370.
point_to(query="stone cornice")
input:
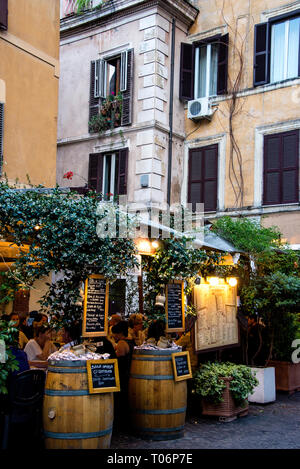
column 180, row 9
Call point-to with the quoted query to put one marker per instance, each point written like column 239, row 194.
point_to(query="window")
column 281, row 168
column 3, row 14
column 108, row 173
column 276, row 49
column 110, row 77
column 204, row 68
column 203, row 177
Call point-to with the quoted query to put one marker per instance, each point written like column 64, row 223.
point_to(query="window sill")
column 258, row 89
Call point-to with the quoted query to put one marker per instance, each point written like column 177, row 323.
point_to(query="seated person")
column 14, row 318
column 41, row 346
column 156, row 330
column 136, row 332
column 115, row 319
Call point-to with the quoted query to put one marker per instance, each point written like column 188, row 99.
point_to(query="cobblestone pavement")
column 270, row 426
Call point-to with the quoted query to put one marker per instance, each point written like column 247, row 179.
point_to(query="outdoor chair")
column 24, row 406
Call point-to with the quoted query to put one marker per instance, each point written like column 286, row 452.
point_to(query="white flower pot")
column 265, row 391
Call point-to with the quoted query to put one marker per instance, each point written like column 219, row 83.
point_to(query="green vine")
column 9, row 335
column 65, row 242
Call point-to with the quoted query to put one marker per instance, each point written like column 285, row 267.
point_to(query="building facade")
column 242, row 157
column 213, row 109
column 29, row 48
column 133, row 49
column 29, row 73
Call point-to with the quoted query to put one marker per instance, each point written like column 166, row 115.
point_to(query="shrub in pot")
column 224, row 388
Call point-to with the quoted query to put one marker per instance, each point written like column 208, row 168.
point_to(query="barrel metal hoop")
column 71, row 392
column 66, row 370
column 153, row 359
column 77, row 436
column 160, row 411
column 157, row 430
column 156, row 352
column 161, row 377
column 68, row 364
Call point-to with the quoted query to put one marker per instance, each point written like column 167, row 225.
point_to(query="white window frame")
column 208, row 71
column 112, row 174
column 286, row 49
column 101, row 73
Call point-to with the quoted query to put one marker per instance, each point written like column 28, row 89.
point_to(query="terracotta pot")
column 287, row 375
column 226, row 408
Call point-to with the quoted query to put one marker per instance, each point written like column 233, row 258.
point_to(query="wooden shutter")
column 95, row 172
column 186, row 84
column 94, row 101
column 281, row 168
column 223, row 64
column 290, row 167
column 122, row 172
column 203, row 177
column 128, row 94
column 1, row 135
column 3, row 14
column 261, row 53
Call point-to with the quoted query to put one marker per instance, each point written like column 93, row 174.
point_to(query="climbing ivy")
column 61, row 230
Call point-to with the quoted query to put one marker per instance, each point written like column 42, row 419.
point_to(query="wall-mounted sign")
column 217, row 324
column 175, row 306
column 95, row 309
column 103, row 376
column 181, row 366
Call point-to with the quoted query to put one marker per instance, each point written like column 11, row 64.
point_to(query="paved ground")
column 271, row 426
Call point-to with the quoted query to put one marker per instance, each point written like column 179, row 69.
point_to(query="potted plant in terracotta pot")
column 224, row 388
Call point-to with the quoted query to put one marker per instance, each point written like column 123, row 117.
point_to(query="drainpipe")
column 171, row 114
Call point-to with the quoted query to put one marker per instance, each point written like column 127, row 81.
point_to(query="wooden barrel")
column 72, row 417
column 157, row 402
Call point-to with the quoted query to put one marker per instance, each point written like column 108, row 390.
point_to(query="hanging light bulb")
column 232, row 281
column 213, row 281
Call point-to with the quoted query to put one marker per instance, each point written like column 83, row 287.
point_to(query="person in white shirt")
column 41, row 346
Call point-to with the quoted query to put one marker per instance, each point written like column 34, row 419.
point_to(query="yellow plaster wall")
column 256, row 110
column 29, row 50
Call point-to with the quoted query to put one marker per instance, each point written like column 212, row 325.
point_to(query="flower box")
column 226, row 408
column 287, row 375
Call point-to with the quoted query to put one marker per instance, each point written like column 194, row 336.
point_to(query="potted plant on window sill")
column 109, row 116
column 224, row 388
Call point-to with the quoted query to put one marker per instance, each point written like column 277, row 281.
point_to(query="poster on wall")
column 217, row 324
column 95, row 308
column 175, row 306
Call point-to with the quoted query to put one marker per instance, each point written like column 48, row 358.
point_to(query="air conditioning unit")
column 199, row 108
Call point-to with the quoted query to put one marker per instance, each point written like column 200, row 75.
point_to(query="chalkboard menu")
column 95, row 311
column 181, row 366
column 175, row 306
column 103, row 376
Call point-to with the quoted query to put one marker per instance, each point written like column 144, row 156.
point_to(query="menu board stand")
column 95, row 309
column 175, row 306
column 103, row 376
column 181, row 366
